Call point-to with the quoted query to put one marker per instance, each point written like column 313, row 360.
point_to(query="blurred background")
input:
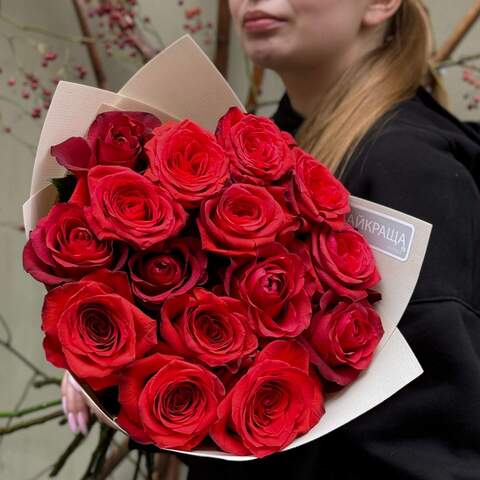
column 102, row 43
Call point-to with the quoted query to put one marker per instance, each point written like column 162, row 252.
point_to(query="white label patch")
column 383, row 232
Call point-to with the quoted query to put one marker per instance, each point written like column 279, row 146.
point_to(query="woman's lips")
column 262, row 24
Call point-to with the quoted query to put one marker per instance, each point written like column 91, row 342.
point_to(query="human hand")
column 74, row 404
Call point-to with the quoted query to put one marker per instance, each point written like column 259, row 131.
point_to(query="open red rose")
column 211, row 329
column 187, row 161
column 127, row 206
column 272, row 285
column 344, row 261
column 277, row 400
column 259, row 151
column 63, row 248
column 342, row 339
column 114, row 138
column 173, row 268
column 93, row 329
column 240, row 219
column 169, row 402
column 316, row 193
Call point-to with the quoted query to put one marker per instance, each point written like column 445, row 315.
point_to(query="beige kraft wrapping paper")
column 181, row 82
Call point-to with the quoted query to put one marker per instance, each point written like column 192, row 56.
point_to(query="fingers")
column 74, row 405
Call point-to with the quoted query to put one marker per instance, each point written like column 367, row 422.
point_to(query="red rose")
column 272, row 285
column 171, row 269
column 63, row 248
column 344, row 261
column 343, row 338
column 205, row 327
column 114, row 138
column 93, row 329
column 168, row 401
column 240, row 219
column 316, row 193
column 276, row 401
column 313, row 286
column 259, row 151
column 127, row 206
column 187, row 161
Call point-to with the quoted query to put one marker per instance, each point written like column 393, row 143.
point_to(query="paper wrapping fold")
column 181, row 82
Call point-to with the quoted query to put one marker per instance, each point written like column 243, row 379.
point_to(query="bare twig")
column 74, row 444
column 31, row 423
column 462, row 61
column 223, row 37
column 459, row 33
column 7, row 344
column 49, row 33
column 50, row 381
column 27, row 411
column 91, row 47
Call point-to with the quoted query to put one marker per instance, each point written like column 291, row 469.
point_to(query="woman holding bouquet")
column 361, row 98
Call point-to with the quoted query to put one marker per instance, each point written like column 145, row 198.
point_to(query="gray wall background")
column 25, row 453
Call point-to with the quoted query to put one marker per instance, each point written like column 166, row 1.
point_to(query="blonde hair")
column 372, row 87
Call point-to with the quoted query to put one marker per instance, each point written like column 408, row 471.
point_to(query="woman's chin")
column 266, row 55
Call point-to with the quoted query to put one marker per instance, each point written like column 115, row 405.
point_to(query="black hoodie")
column 422, row 161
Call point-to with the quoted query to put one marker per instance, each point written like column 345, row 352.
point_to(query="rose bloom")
column 63, row 248
column 127, row 206
column 344, row 261
column 315, row 193
column 93, row 329
column 167, row 401
column 173, row 268
column 114, row 138
column 272, row 285
column 187, row 161
column 240, row 219
column 259, row 151
column 277, row 400
column 342, row 339
column 208, row 328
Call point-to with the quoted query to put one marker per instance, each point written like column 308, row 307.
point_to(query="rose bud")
column 114, row 138
column 259, row 151
column 127, row 206
column 169, row 402
column 272, row 285
column 63, row 248
column 93, row 329
column 342, row 339
column 240, row 219
column 315, row 193
column 211, row 329
column 344, row 261
column 172, row 269
column 277, row 400
column 187, row 161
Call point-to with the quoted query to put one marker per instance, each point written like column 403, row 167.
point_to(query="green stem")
column 29, row 410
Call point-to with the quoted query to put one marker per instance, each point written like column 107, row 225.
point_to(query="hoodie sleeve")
column 429, row 430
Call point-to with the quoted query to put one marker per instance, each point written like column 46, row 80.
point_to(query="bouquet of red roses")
column 204, row 286
column 211, row 279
